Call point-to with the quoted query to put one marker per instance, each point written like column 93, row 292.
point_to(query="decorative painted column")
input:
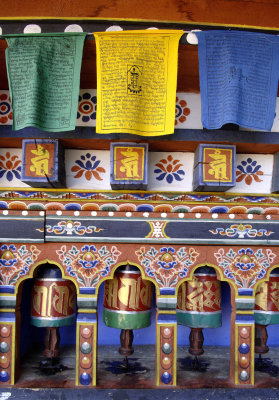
column 166, row 341
column 243, row 332
column 8, row 345
column 86, row 341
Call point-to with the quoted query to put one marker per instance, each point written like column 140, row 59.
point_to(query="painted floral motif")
column 10, row 166
column 181, row 111
column 246, row 266
column 249, row 171
column 241, row 231
column 88, row 265
column 170, row 169
column 15, row 263
column 89, row 166
column 87, row 107
column 5, row 108
column 166, row 265
column 71, row 227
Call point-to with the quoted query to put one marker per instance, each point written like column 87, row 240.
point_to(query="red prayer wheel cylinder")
column 127, row 300
column 266, row 310
column 199, row 306
column 127, row 305
column 52, row 306
column 53, row 303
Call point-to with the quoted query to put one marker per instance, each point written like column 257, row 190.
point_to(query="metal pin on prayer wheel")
column 52, row 306
column 127, row 306
column 199, row 307
column 266, row 312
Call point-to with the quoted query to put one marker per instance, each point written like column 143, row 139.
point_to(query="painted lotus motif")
column 89, row 166
column 88, row 264
column 87, row 107
column 10, row 166
column 248, row 171
column 181, row 111
column 169, row 169
column 246, row 266
column 167, row 265
column 6, row 113
column 16, row 262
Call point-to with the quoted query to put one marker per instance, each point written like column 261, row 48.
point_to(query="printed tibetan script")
column 136, row 81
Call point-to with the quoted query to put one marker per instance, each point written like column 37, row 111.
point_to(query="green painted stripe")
column 6, row 302
column 126, row 321
column 266, row 319
column 245, row 305
column 199, row 320
column 39, row 322
column 88, row 304
column 166, row 306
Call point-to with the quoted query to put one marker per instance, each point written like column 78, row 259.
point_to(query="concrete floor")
column 213, row 373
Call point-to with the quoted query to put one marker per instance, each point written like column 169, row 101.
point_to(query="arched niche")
column 139, row 367
column 202, row 370
column 31, row 339
column 266, row 314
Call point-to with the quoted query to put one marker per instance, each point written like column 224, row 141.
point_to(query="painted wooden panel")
column 43, row 163
column 82, row 226
column 22, row 226
column 214, row 167
column 262, row 12
column 128, row 165
column 167, row 171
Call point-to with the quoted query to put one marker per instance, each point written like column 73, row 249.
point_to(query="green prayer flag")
column 44, row 77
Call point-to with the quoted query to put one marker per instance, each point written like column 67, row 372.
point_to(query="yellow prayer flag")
column 136, row 81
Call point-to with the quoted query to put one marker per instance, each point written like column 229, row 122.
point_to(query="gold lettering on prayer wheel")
column 199, row 306
column 199, row 301
column 53, row 302
column 266, row 310
column 267, row 300
column 127, row 300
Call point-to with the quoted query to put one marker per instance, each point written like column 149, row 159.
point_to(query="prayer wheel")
column 52, row 306
column 199, row 306
column 266, row 310
column 127, row 305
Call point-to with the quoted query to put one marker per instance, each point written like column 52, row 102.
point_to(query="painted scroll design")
column 241, row 231
column 88, row 264
column 16, row 262
column 246, row 266
column 71, row 227
column 166, row 265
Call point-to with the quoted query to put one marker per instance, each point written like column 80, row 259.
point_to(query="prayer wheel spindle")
column 52, row 306
column 266, row 311
column 199, row 307
column 127, row 305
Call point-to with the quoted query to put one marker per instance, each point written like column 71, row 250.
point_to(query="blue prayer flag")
column 238, row 78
